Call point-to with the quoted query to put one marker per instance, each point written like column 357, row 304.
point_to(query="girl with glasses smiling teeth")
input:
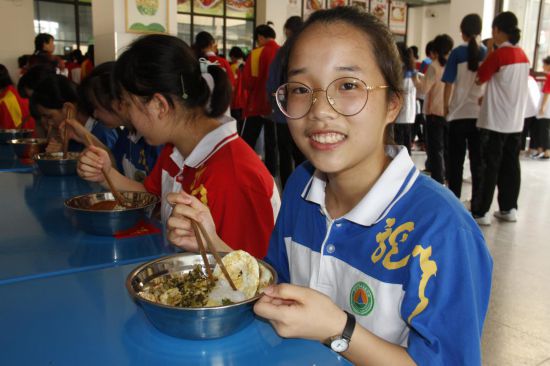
column 378, row 261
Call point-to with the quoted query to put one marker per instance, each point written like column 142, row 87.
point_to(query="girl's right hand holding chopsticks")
column 91, row 162
column 178, row 227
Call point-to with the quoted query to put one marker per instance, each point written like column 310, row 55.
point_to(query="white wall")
column 109, row 24
column 16, row 33
column 426, row 22
column 276, row 11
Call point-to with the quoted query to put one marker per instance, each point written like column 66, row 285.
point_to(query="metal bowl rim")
column 66, row 203
column 12, row 130
column 140, row 268
column 38, row 157
column 39, row 141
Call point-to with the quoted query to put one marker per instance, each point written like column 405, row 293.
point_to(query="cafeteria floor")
column 517, row 327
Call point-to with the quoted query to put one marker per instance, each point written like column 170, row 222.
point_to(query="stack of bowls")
column 26, row 148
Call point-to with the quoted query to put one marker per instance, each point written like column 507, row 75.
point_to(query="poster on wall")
column 312, row 5
column 336, row 3
column 360, row 4
column 240, row 8
column 379, row 8
column 184, row 6
column 147, row 16
column 208, row 7
column 398, row 17
column 293, row 7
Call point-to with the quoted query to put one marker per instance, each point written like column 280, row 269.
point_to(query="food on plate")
column 108, row 205
column 240, row 5
column 314, row 4
column 195, row 289
column 147, row 7
column 379, row 11
column 206, row 4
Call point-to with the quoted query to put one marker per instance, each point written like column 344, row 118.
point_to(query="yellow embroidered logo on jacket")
column 388, row 248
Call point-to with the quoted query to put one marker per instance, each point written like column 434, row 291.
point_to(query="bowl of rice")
column 181, row 300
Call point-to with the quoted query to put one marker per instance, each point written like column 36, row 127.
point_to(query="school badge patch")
column 361, row 299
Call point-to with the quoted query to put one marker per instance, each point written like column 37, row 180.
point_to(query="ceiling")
column 426, row 2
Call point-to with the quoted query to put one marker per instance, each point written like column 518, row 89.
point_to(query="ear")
column 395, row 103
column 160, row 105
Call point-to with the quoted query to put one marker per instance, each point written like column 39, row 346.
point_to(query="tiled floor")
column 517, row 328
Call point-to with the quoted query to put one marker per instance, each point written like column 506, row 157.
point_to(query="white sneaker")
column 510, row 216
column 484, row 220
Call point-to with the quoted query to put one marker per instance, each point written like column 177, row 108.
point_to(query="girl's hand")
column 179, row 230
column 54, row 145
column 91, row 163
column 300, row 312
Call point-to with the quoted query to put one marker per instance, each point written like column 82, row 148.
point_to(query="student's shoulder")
column 436, row 205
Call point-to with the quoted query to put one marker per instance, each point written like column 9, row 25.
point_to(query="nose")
column 322, row 107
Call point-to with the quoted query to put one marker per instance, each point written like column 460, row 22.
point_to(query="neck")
column 346, row 189
column 188, row 132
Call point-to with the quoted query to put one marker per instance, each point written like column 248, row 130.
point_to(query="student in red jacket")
column 206, row 47
column 258, row 107
column 14, row 110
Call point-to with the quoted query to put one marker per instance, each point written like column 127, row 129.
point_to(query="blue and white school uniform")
column 408, row 260
column 134, row 156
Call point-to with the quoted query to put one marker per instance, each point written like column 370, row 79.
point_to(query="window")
column 68, row 21
column 231, row 22
column 534, row 23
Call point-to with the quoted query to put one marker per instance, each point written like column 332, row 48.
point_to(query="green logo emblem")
column 361, row 299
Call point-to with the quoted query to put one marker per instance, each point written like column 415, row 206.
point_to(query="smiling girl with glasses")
column 377, row 260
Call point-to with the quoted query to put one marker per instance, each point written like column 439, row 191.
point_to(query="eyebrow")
column 353, row 68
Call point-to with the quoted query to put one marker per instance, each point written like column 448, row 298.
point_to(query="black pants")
column 543, row 131
column 402, row 134
column 499, row 168
column 420, row 124
column 437, row 135
column 289, row 154
column 251, row 130
column 528, row 128
column 463, row 133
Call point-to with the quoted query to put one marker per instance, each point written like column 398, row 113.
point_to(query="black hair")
column 414, row 51
column 406, row 56
column 265, row 31
column 90, row 54
column 53, row 91
column 429, row 48
column 40, row 40
column 546, row 60
column 76, row 55
column 293, row 24
column 443, row 44
column 236, row 52
column 167, row 65
column 202, row 40
column 381, row 39
column 386, row 54
column 471, row 28
column 507, row 23
column 33, row 77
column 97, row 89
column 22, row 61
column 5, row 79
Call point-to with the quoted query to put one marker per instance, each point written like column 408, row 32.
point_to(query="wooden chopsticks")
column 66, row 136
column 198, row 228
column 118, row 196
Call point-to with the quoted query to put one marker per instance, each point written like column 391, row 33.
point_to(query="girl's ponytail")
column 471, row 28
column 507, row 22
column 221, row 94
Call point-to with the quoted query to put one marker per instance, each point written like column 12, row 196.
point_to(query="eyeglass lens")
column 347, row 96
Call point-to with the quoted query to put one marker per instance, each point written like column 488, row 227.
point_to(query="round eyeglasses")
column 347, row 96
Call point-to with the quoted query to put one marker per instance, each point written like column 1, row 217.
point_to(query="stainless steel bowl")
column 108, row 222
column 54, row 164
column 28, row 147
column 7, row 134
column 189, row 323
